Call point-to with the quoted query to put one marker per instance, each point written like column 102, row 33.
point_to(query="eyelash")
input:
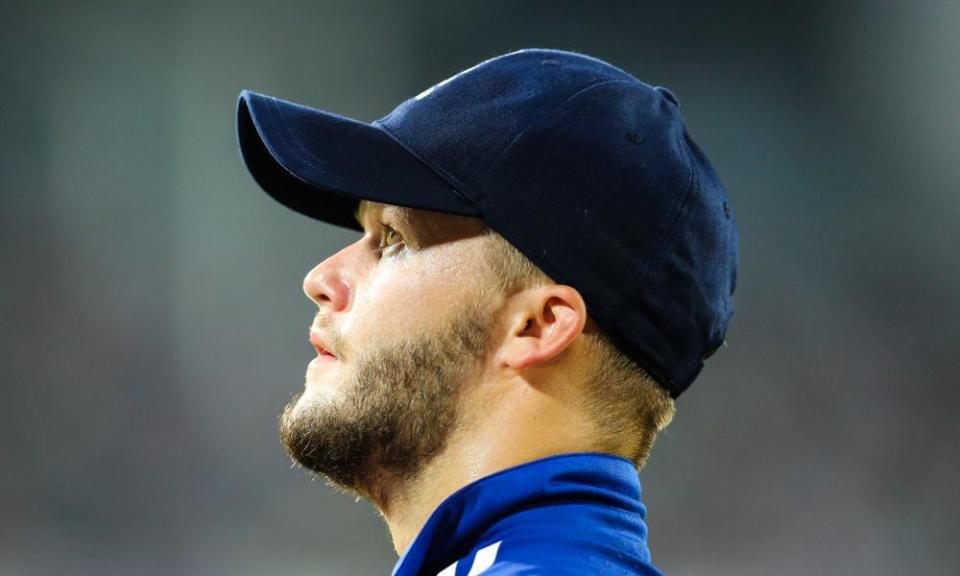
column 386, row 230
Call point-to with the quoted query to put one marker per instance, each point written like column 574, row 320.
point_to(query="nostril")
column 330, row 291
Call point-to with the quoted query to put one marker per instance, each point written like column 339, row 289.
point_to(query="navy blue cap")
column 586, row 170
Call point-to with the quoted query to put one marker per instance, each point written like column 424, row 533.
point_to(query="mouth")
column 321, row 346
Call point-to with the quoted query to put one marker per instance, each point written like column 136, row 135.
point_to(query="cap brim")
column 322, row 164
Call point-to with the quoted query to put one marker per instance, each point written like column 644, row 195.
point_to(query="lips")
column 320, row 344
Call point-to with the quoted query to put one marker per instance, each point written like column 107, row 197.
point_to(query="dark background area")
column 152, row 323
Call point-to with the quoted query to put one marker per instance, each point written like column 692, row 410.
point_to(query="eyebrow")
column 359, row 214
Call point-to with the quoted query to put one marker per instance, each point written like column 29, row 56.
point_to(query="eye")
column 388, row 238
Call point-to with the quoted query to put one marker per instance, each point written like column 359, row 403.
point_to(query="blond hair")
column 629, row 407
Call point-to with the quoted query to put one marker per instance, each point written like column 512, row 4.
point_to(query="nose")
column 328, row 284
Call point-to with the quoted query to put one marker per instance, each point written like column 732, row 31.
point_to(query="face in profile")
column 403, row 325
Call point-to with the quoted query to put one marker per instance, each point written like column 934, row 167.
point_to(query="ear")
column 542, row 324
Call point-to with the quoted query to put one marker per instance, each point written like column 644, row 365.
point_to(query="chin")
column 320, row 386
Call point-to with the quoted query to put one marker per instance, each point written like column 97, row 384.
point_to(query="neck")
column 529, row 424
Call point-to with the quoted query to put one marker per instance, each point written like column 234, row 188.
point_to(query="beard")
column 395, row 412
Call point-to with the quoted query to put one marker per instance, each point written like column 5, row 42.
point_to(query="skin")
column 515, row 399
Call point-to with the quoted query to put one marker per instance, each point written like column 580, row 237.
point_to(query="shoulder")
column 515, row 557
column 567, row 569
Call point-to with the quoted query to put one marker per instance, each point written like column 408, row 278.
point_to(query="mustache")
column 324, row 326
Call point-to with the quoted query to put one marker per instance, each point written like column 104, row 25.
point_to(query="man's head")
column 581, row 188
column 419, row 314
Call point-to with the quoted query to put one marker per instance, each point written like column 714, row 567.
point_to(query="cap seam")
column 306, row 155
column 675, row 384
column 680, row 382
column 669, row 230
column 551, row 113
column 288, row 138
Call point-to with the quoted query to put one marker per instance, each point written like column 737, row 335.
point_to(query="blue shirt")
column 570, row 514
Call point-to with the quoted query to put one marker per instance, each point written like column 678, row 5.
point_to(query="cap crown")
column 592, row 175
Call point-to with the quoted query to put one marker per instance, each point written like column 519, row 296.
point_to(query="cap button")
column 668, row 95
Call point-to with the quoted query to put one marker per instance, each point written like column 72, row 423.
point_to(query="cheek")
column 410, row 295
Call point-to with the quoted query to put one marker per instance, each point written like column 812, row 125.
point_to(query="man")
column 547, row 258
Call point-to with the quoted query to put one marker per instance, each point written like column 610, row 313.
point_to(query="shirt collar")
column 456, row 524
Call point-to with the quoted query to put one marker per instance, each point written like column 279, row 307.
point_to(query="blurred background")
column 152, row 323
